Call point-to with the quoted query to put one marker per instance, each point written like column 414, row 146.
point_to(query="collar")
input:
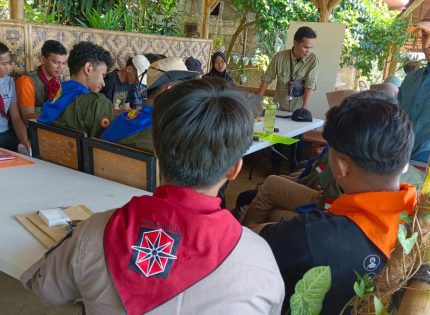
column 294, row 58
column 188, row 198
column 377, row 213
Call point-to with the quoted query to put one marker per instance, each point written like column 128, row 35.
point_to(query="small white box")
column 54, row 216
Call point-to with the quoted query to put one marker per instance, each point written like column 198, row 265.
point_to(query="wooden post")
column 16, row 8
column 325, row 7
column 207, row 7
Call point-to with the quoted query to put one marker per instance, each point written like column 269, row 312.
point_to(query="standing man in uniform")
column 36, row 87
column 414, row 97
column 296, row 72
column 78, row 105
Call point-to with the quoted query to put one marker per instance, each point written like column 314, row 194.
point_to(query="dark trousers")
column 8, row 140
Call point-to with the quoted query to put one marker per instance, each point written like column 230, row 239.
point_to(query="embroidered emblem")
column 57, row 96
column 154, row 252
column 132, row 114
column 371, row 262
column 105, row 122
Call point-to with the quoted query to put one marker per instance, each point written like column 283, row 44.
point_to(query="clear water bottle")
column 269, row 116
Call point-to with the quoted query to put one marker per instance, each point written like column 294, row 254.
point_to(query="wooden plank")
column 119, row 168
column 47, row 241
column 57, row 148
column 49, row 236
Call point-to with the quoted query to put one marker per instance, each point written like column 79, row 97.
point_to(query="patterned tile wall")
column 26, row 39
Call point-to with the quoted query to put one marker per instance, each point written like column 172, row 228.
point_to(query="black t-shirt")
column 116, row 91
column 322, row 239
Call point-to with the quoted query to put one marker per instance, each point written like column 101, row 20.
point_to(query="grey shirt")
column 8, row 93
column 247, row 282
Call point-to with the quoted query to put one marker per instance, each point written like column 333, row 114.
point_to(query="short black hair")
column 410, row 66
column 3, row 48
column 374, row 132
column 129, row 62
column 200, row 129
column 53, row 47
column 303, row 32
column 84, row 52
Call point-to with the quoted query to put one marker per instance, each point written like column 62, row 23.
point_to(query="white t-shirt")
column 8, row 92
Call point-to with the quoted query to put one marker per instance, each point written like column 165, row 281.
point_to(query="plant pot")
column 191, row 28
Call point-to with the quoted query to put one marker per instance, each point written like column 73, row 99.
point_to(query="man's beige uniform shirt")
column 305, row 69
column 247, row 282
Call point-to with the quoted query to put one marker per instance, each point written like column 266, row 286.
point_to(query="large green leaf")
column 310, row 291
column 379, row 307
column 407, row 243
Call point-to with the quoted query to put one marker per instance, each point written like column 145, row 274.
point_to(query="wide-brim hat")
column 422, row 25
column 141, row 63
column 168, row 70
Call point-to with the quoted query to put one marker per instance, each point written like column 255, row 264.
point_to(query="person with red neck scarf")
column 371, row 141
column 178, row 251
column 36, row 87
column 10, row 138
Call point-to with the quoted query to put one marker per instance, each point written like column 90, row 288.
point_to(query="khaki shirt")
column 247, row 282
column 279, row 68
column 91, row 113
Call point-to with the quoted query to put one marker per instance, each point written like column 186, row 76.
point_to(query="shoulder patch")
column 132, row 114
column 105, row 122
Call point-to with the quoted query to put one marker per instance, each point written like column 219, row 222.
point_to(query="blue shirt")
column 414, row 98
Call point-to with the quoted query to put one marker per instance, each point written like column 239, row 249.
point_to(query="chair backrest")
column 335, row 98
column 120, row 163
column 58, row 145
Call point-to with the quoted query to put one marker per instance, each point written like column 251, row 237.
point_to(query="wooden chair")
column 120, row 163
column 58, row 145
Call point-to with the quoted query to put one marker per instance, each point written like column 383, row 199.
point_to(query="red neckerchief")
column 3, row 111
column 377, row 214
column 157, row 247
column 52, row 86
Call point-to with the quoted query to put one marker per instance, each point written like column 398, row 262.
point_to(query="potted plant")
column 218, row 45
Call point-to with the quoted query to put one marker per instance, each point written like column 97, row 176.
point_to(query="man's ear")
column 234, row 170
column 88, row 67
column 342, row 165
column 42, row 59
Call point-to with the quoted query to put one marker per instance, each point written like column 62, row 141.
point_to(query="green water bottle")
column 269, row 116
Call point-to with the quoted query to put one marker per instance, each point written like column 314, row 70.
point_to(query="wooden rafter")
column 207, row 7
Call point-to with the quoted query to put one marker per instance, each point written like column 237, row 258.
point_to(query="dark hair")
column 84, row 52
column 154, row 57
column 130, row 62
column 53, row 47
column 374, row 132
column 303, row 32
column 200, row 129
column 3, row 48
column 410, row 66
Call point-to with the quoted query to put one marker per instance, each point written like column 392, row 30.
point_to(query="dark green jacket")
column 91, row 113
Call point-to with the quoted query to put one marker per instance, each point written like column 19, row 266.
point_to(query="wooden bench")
column 120, row 163
column 58, row 145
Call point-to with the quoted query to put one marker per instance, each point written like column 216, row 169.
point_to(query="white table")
column 44, row 185
column 287, row 128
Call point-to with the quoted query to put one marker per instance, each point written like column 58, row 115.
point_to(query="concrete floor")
column 15, row 300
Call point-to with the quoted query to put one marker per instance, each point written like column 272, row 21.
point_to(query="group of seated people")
column 178, row 251
column 91, row 98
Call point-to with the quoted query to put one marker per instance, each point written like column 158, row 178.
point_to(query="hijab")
column 215, row 73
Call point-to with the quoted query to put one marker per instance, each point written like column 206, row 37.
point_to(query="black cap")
column 302, row 114
column 194, row 64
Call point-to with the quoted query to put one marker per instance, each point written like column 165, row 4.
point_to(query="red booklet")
column 9, row 159
column 4, row 155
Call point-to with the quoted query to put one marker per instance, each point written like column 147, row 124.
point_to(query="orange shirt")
column 25, row 91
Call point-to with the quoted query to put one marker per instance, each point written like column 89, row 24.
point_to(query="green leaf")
column 310, row 291
column 379, row 307
column 407, row 243
column 405, row 217
column 427, row 216
column 359, row 288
